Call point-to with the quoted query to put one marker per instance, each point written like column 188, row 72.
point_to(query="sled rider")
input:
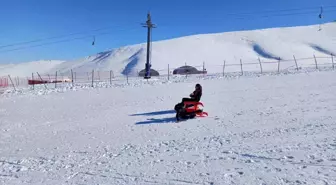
column 195, row 96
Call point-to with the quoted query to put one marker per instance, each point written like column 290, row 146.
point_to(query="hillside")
column 213, row 49
column 27, row 68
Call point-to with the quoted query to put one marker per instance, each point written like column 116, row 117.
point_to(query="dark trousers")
column 180, row 105
column 188, row 99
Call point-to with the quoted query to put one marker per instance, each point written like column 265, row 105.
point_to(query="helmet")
column 198, row 86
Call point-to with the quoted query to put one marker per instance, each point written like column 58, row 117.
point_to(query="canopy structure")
column 187, row 70
column 152, row 73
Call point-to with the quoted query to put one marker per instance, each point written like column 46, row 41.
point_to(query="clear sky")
column 120, row 21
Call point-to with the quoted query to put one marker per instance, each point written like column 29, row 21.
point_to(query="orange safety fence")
column 3, row 82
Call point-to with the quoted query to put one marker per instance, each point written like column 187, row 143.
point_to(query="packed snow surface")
column 210, row 49
column 271, row 129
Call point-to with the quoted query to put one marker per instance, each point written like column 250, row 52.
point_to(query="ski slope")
column 276, row 129
column 213, row 49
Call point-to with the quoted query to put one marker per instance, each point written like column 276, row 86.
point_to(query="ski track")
column 265, row 130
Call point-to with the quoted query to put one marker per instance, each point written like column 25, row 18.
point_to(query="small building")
column 153, row 72
column 187, row 70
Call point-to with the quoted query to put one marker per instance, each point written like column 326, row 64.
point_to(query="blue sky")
column 119, row 21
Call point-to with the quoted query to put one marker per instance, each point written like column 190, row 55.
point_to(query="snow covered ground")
column 269, row 129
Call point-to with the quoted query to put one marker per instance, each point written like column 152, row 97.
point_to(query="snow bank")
column 138, row 82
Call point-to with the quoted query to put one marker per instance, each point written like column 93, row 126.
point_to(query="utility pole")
column 149, row 25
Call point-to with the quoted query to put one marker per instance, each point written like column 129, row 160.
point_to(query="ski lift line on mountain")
column 51, row 43
column 63, row 36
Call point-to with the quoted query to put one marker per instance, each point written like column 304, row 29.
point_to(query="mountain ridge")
column 211, row 48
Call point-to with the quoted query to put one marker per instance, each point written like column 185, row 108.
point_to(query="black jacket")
column 197, row 94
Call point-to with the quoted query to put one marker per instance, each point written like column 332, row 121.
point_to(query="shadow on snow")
column 155, row 120
column 155, row 113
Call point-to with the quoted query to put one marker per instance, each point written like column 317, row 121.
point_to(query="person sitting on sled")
column 195, row 96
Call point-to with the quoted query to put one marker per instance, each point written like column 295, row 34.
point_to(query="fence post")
column 17, row 81
column 72, row 78
column 63, row 78
column 203, row 68
column 224, row 68
column 168, row 71
column 110, row 77
column 33, row 81
column 12, row 82
column 42, row 80
column 261, row 70
column 279, row 65
column 332, row 61
column 56, row 80
column 241, row 66
column 92, row 77
column 315, row 62
column 127, row 78
column 297, row 68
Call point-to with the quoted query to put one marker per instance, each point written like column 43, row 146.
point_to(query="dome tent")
column 153, row 72
column 186, row 70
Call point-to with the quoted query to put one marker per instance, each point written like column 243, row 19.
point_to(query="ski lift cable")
column 51, row 43
column 54, row 37
column 289, row 14
column 312, row 12
column 251, row 17
column 281, row 10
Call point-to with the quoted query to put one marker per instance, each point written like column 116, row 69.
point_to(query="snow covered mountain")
column 213, row 49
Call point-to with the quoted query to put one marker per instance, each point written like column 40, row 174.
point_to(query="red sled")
column 195, row 107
